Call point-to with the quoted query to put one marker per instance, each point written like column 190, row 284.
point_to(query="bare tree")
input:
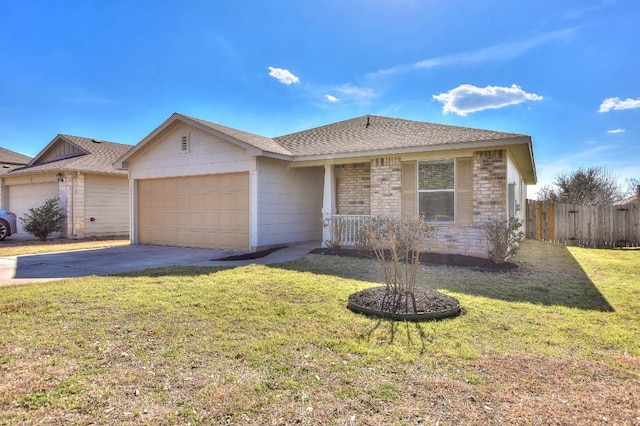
column 633, row 187
column 592, row 186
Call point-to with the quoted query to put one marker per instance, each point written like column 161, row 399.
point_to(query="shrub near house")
column 44, row 220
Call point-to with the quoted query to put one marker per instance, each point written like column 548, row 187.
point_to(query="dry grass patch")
column 276, row 345
column 19, row 247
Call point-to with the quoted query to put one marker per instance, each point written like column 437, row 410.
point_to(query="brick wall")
column 489, row 186
column 375, row 189
column 386, row 186
column 489, row 203
column 354, row 189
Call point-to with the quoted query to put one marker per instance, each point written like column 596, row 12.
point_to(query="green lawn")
column 557, row 342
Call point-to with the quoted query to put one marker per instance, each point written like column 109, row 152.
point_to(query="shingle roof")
column 261, row 142
column 11, row 157
column 382, row 133
column 99, row 158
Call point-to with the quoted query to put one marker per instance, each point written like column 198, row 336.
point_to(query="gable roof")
column 364, row 136
column 11, row 157
column 75, row 153
column 10, row 160
column 261, row 142
column 372, row 135
column 259, row 145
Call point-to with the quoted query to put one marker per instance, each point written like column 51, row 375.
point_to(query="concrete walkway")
column 113, row 260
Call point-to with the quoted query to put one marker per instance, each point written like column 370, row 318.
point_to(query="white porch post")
column 133, row 210
column 328, row 200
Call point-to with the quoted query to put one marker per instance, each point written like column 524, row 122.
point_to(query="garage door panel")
column 211, row 201
column 196, row 220
column 242, row 203
column 211, row 220
column 199, row 211
column 196, row 202
column 28, row 196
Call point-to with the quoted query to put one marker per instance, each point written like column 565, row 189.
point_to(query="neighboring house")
column 94, row 195
column 629, row 200
column 201, row 184
column 9, row 160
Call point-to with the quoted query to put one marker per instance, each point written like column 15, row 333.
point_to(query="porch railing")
column 346, row 226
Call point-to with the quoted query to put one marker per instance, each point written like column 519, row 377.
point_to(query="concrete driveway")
column 113, row 260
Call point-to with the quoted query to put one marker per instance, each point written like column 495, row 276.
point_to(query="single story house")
column 200, row 184
column 94, row 195
column 9, row 160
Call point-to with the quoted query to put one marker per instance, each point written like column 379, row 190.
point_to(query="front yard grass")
column 557, row 342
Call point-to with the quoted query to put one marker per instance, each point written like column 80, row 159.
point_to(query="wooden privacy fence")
column 586, row 226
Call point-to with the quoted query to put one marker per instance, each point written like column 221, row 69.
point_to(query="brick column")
column 386, row 186
column 354, row 189
column 489, row 185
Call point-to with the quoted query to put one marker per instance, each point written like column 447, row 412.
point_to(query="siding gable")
column 60, row 151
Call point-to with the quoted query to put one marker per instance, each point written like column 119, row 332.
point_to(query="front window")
column 436, row 188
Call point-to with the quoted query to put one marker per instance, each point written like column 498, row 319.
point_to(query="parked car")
column 8, row 224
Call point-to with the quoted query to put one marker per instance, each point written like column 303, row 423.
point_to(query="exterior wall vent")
column 185, row 144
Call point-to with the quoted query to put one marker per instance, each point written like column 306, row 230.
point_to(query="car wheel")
column 4, row 230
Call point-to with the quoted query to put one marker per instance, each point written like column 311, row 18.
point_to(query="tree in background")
column 632, row 187
column 592, row 186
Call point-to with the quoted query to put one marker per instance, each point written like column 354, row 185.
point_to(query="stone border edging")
column 426, row 316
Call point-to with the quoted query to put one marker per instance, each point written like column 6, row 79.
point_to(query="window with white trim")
column 436, row 190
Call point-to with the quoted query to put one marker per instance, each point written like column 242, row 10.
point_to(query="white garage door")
column 210, row 211
column 25, row 197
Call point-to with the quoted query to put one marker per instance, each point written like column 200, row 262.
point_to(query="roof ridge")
column 66, row 135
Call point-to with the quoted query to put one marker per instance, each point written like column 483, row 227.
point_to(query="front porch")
column 456, row 194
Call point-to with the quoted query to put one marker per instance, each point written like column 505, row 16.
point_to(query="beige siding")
column 409, row 189
column 205, row 154
column 107, row 202
column 209, row 211
column 21, row 198
column 289, row 203
column 464, row 191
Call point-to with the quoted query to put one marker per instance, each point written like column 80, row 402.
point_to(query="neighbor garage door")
column 210, row 211
column 25, row 197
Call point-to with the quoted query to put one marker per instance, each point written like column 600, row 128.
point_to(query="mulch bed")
column 429, row 304
column 249, row 256
column 431, row 258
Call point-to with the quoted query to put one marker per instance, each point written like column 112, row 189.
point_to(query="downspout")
column 73, row 204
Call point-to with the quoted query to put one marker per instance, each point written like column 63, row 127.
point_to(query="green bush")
column 42, row 221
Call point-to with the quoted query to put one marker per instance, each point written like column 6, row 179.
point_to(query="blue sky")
column 565, row 72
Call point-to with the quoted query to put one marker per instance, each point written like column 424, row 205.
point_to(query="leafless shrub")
column 336, row 227
column 503, row 238
column 397, row 244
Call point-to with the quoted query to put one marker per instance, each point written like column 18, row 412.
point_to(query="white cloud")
column 331, row 98
column 355, row 93
column 616, row 131
column 618, row 104
column 501, row 51
column 283, row 76
column 468, row 98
